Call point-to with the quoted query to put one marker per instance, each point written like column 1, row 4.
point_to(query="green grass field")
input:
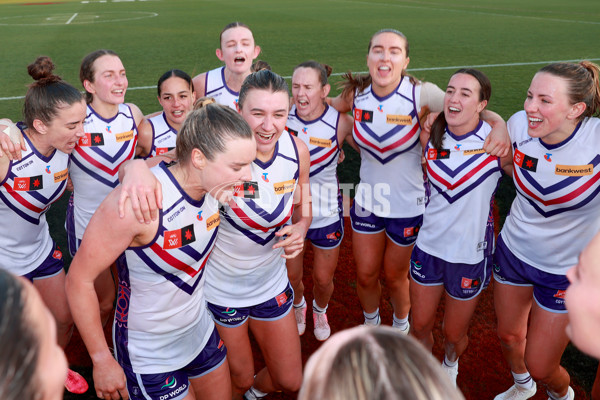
column 507, row 39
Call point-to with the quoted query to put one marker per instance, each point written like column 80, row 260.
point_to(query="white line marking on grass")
column 409, row 70
column 83, row 18
column 470, row 12
column 142, row 87
column 499, row 65
column 475, row 66
column 71, row 19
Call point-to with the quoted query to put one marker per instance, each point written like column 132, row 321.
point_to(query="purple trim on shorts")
column 461, row 281
column 402, row 231
column 548, row 289
column 175, row 384
column 270, row 310
column 52, row 265
column 327, row 237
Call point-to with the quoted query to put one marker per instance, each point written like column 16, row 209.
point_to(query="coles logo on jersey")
column 435, row 154
column 247, row 190
column 363, row 115
column 91, row 139
column 467, row 283
column 291, row 131
column 524, row 161
column 29, row 183
column 179, row 237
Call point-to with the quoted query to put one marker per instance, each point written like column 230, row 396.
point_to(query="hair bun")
column 259, row 65
column 203, row 102
column 41, row 70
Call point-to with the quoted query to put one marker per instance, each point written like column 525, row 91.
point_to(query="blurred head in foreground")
column 368, row 363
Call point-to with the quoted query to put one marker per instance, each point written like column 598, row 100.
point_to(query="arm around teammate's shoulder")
column 344, row 132
column 342, row 103
column 105, row 238
column 295, row 234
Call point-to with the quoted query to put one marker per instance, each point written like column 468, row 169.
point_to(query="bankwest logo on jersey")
column 213, row 221
column 247, row 190
column 291, row 131
column 91, row 139
column 61, row 175
column 179, row 237
column 29, row 183
column 524, row 161
column 435, row 154
column 363, row 115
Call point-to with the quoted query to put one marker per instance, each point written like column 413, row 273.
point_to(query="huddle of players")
column 256, row 181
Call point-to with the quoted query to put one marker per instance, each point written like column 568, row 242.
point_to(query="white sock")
column 254, row 393
column 371, row 317
column 523, row 380
column 302, row 303
column 318, row 309
column 401, row 323
column 450, row 364
column 553, row 396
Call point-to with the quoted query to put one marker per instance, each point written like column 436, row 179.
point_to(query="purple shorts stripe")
column 461, row 281
column 52, row 265
column 327, row 237
column 548, row 289
column 271, row 310
column 402, row 231
column 175, row 385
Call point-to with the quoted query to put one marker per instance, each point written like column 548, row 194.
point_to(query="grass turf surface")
column 508, row 40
